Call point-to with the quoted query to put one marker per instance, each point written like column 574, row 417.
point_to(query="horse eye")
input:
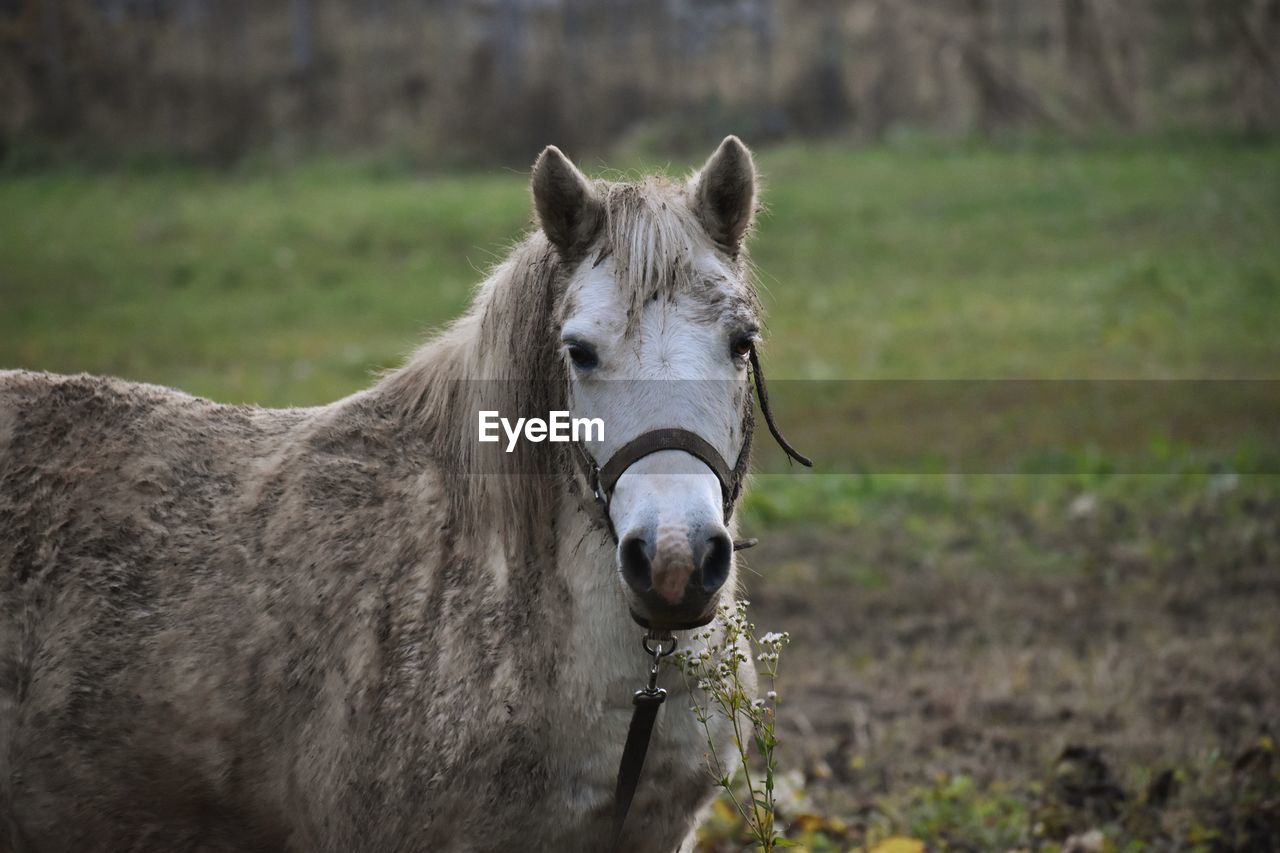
column 741, row 346
column 582, row 356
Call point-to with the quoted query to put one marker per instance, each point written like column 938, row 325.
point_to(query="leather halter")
column 604, row 478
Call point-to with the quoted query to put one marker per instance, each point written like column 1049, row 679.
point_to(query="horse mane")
column 503, row 354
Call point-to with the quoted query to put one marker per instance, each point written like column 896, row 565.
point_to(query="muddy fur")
column 229, row 628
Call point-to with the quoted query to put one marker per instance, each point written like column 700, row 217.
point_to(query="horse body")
column 190, row 659
column 230, row 628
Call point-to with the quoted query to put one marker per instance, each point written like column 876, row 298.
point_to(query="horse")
column 355, row 626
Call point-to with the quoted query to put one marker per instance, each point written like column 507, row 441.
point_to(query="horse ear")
column 568, row 209
column 725, row 193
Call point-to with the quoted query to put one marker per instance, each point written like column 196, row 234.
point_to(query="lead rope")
column 646, row 701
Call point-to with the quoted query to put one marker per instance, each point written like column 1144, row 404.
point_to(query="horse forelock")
column 654, row 237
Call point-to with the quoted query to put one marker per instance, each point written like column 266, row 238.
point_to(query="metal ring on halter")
column 658, row 651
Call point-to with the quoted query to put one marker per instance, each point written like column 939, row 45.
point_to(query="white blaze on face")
column 673, row 368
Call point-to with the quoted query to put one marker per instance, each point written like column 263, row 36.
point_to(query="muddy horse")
column 356, row 627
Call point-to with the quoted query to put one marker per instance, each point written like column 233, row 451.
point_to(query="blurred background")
column 1065, row 639
column 491, row 80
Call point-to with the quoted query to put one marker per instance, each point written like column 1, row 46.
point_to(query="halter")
column 603, row 478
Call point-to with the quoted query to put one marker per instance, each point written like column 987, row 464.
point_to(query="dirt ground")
column 1123, row 673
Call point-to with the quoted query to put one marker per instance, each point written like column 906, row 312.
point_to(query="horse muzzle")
column 674, row 573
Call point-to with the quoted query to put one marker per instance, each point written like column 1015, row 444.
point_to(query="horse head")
column 658, row 324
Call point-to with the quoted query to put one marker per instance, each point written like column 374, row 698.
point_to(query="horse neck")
column 501, row 355
column 506, row 341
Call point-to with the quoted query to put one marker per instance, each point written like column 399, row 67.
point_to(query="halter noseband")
column 604, row 478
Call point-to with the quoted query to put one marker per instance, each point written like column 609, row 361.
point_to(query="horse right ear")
column 568, row 209
column 725, row 194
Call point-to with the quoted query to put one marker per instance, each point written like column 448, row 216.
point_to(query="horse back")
column 90, row 467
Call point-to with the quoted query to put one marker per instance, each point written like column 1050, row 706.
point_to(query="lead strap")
column 647, row 702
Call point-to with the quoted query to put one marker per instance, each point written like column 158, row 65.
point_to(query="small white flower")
column 772, row 694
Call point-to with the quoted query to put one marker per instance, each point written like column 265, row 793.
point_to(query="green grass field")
column 1150, row 261
column 1131, row 260
column 1153, row 260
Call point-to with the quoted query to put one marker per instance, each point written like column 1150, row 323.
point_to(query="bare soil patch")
column 1134, row 684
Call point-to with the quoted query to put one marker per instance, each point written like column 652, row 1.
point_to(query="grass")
column 1129, row 262
column 1224, row 805
column 1140, row 261
column 278, row 291
column 1006, row 668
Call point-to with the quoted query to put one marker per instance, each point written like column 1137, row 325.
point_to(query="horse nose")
column 671, row 561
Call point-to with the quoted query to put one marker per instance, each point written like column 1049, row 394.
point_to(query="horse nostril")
column 635, row 555
column 712, row 558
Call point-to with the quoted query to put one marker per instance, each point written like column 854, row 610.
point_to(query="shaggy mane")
column 503, row 354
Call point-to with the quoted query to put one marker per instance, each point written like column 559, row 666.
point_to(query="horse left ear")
column 568, row 209
column 724, row 193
